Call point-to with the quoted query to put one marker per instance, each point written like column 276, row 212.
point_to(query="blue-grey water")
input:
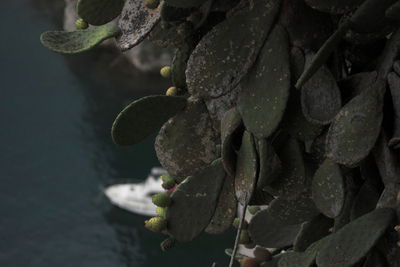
column 56, row 154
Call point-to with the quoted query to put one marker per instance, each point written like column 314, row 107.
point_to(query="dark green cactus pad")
column 355, row 129
column 171, row 13
column 179, row 65
column 312, row 231
column 185, row 3
column 187, row 142
column 393, row 12
column 144, row 117
column 320, row 97
column 317, row 149
column 246, row 169
column 328, row 189
column 225, row 211
column 136, row 22
column 307, row 28
column 294, row 210
column 295, row 123
column 394, row 85
column 268, row 232
column 348, row 245
column 262, row 102
column 355, row 84
column 334, row 6
column 194, row 202
column 218, row 106
column 302, row 259
column 297, row 63
column 387, row 161
column 231, row 129
column 375, row 259
column 99, row 12
column 216, row 66
column 292, row 179
column 270, row 164
column 75, row 42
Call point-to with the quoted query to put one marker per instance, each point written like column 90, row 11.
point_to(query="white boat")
column 137, row 197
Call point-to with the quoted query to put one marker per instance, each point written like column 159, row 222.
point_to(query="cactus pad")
column 186, row 143
column 262, row 102
column 74, row 42
column 217, row 66
column 270, row 164
column 194, row 202
column 268, row 232
column 334, row 6
column 185, row 3
column 246, row 169
column 355, row 129
column 328, row 190
column 347, row 246
column 99, row 12
column 136, row 22
column 144, row 117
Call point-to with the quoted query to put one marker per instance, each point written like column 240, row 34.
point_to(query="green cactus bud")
column 161, row 200
column 168, row 184
column 244, row 237
column 172, row 91
column 249, row 262
column 152, row 4
column 253, row 209
column 236, row 222
column 80, row 24
column 160, row 212
column 262, row 254
column 165, row 71
column 167, row 244
column 156, row 224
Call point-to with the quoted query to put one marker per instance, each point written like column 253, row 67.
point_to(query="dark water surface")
column 56, row 155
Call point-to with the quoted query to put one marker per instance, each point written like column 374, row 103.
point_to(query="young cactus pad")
column 144, row 117
column 194, row 202
column 99, row 12
column 78, row 41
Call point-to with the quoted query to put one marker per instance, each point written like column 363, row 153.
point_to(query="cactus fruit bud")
column 156, row 224
column 167, row 244
column 236, row 223
column 172, row 91
column 168, row 181
column 152, row 4
column 161, row 200
column 253, row 209
column 160, row 212
column 166, row 72
column 244, row 237
column 249, row 262
column 262, row 254
column 80, row 24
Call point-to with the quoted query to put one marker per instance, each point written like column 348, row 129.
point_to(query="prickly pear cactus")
column 288, row 107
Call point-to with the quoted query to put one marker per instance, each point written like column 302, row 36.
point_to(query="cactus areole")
column 288, row 107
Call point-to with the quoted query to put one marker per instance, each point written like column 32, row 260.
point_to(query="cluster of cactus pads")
column 292, row 105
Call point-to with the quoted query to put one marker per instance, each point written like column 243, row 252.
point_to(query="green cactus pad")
column 294, row 210
column 292, row 177
column 185, row 3
column 136, row 22
column 246, row 169
column 295, row 123
column 347, row 246
column 302, row 259
column 375, row 259
column 297, row 62
column 187, row 142
column 74, row 42
column 393, row 12
column 320, row 97
column 179, row 65
column 262, row 102
column 225, row 211
column 312, row 231
column 270, row 164
column 194, row 202
column 394, row 85
column 387, row 161
column 99, row 12
column 216, row 66
column 171, row 13
column 334, row 6
column 268, row 232
column 144, row 117
column 328, row 189
column 355, row 129
column 231, row 126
